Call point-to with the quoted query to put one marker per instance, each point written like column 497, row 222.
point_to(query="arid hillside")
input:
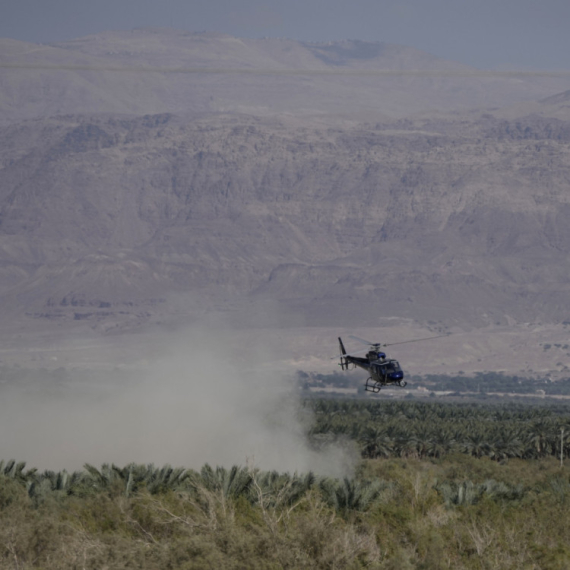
column 151, row 176
column 448, row 221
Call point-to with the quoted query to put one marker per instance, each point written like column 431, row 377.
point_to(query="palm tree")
column 350, row 494
column 440, row 443
column 282, row 489
column 233, row 482
column 475, row 444
column 408, row 445
column 508, row 444
column 60, row 482
column 541, row 437
column 377, row 443
column 15, row 470
column 465, row 493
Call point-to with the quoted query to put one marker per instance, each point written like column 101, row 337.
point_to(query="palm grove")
column 438, row 486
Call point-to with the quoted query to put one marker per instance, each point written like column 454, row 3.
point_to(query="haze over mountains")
column 293, row 175
column 156, row 71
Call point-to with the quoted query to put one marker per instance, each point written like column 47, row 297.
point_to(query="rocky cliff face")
column 455, row 220
column 153, row 175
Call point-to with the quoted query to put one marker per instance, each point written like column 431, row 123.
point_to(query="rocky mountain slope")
column 318, row 197
column 451, row 221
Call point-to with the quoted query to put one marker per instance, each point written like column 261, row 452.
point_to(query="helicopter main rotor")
column 380, row 345
column 376, row 346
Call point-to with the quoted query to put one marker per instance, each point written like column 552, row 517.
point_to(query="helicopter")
column 383, row 371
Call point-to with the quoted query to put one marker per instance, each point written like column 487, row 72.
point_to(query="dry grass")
column 408, row 526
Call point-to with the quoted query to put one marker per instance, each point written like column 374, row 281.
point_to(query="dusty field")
column 524, row 349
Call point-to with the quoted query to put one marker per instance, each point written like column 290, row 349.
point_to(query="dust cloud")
column 208, row 399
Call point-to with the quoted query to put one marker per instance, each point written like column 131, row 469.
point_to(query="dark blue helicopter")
column 383, row 371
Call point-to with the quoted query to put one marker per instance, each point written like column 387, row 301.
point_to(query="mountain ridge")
column 116, row 211
column 143, row 72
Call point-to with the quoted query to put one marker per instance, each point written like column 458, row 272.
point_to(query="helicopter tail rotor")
column 343, row 361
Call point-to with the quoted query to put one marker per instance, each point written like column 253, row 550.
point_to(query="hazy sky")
column 484, row 33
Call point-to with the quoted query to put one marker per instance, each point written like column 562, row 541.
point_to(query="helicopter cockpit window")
column 393, row 366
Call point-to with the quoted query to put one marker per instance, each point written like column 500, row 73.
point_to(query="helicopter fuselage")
column 383, row 371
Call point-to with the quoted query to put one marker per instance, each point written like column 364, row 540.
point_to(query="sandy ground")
column 524, row 349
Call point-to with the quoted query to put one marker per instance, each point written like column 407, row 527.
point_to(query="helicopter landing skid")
column 372, row 386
